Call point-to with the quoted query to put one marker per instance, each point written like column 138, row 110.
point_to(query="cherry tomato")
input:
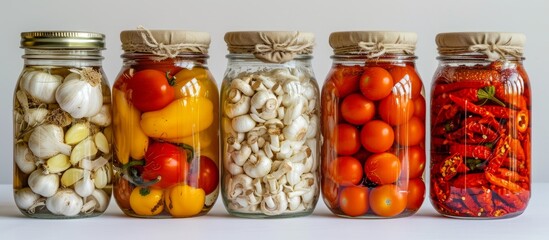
column 353, row 201
column 209, row 175
column 346, row 79
column 416, row 194
column 419, row 107
column 412, row 158
column 376, row 83
column 348, row 141
column 348, row 170
column 377, row 136
column 382, row 168
column 410, row 133
column 166, row 161
column 408, row 77
column 387, row 200
column 150, row 90
column 395, row 109
column 357, row 109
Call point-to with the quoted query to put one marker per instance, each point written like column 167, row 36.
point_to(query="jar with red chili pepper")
column 165, row 125
column 373, row 125
column 480, row 126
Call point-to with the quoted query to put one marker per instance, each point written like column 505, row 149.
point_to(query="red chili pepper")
column 474, row 131
column 471, row 107
column 451, row 166
column 457, row 85
column 471, row 180
column 484, row 198
column 472, row 151
column 501, row 112
column 510, row 198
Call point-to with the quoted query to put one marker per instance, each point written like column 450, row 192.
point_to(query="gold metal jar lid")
column 62, row 40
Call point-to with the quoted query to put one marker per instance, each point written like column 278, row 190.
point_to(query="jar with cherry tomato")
column 165, row 125
column 373, row 126
column 480, row 126
column 270, row 128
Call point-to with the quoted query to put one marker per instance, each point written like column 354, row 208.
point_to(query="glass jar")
column 62, row 127
column 166, row 125
column 373, row 125
column 270, row 126
column 480, row 126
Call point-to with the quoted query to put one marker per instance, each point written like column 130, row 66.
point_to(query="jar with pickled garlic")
column 270, row 125
column 480, row 126
column 373, row 125
column 165, row 125
column 62, row 131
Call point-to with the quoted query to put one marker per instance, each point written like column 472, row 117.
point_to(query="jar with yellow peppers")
column 165, row 122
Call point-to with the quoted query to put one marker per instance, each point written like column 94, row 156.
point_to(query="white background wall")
column 427, row 18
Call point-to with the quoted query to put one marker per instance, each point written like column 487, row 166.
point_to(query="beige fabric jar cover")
column 373, row 43
column 495, row 45
column 270, row 46
column 164, row 43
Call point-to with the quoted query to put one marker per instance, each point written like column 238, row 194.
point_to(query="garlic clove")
column 77, row 133
column 71, row 176
column 86, row 148
column 108, row 134
column 65, row 202
column 103, row 118
column 101, row 142
column 85, row 186
column 43, row 184
column 100, row 178
column 58, row 163
column 24, row 159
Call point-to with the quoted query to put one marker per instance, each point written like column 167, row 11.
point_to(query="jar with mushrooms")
column 62, row 127
column 373, row 124
column 165, row 125
column 270, row 125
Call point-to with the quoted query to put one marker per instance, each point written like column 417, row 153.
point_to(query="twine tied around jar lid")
column 495, row 45
column 164, row 43
column 373, row 44
column 271, row 47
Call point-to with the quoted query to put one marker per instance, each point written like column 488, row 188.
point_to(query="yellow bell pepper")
column 184, row 201
column 195, row 82
column 199, row 140
column 147, row 201
column 129, row 139
column 181, row 118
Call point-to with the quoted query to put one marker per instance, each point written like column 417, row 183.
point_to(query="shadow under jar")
column 480, row 126
column 373, row 125
column 62, row 127
column 166, row 125
column 270, row 129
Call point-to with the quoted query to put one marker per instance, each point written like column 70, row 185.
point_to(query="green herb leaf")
column 488, row 93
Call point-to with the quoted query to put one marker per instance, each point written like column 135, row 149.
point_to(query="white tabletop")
column 426, row 224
